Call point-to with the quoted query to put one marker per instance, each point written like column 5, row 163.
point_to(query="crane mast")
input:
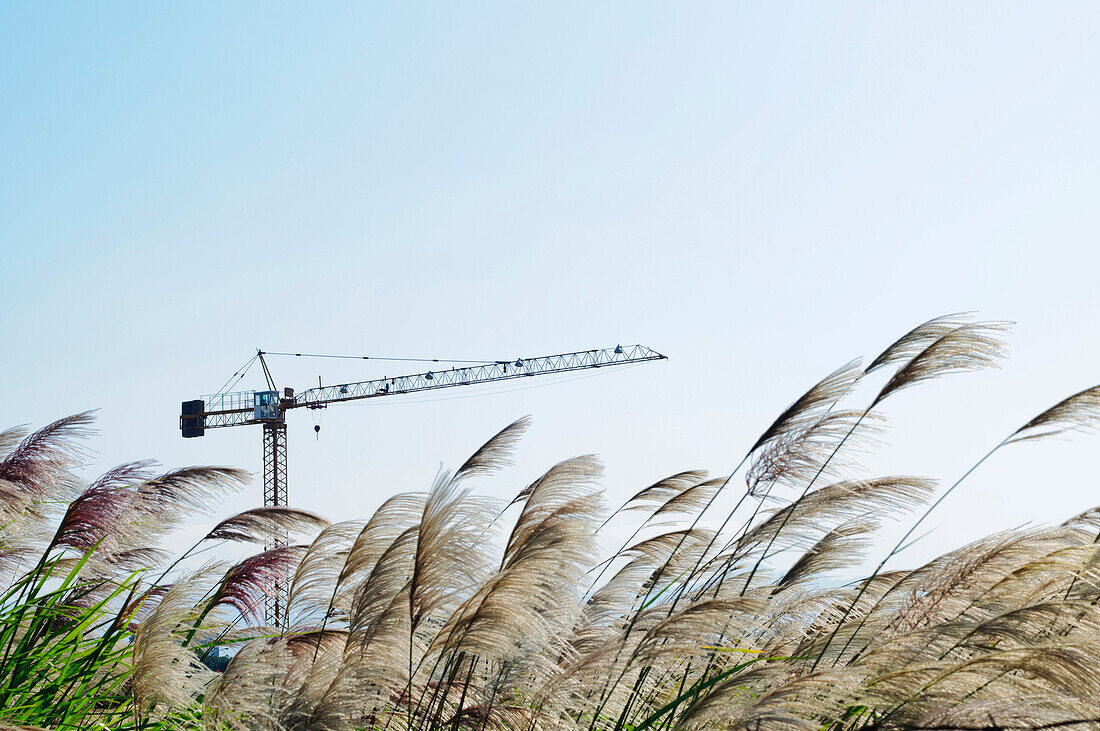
column 268, row 408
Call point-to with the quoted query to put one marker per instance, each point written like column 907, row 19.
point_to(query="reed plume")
column 968, row 347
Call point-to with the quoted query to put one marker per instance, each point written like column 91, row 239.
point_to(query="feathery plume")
column 822, row 509
column 249, row 695
column 495, row 453
column 565, row 480
column 806, row 409
column 262, row 525
column 190, row 490
column 97, row 515
column 40, row 459
column 167, row 674
column 448, row 561
column 247, row 583
column 1079, row 412
column 916, row 340
column 682, row 545
column 532, row 597
column 10, row 438
column 659, row 493
column 315, row 583
column 391, row 520
column 838, row 549
column 127, row 507
column 692, row 499
column 799, row 456
column 966, row 348
column 36, row 484
column 383, row 587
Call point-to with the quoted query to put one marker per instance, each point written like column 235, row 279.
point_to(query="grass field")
column 447, row 610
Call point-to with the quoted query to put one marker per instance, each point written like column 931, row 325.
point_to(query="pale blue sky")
column 761, row 191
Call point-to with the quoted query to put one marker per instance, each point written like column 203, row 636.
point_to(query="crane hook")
column 317, row 431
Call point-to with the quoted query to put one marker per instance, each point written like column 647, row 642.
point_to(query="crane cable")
column 243, row 371
column 239, row 374
column 378, row 357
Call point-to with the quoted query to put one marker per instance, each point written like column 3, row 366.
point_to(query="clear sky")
column 761, row 191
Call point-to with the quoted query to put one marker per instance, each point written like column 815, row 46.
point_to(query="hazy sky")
column 760, row 191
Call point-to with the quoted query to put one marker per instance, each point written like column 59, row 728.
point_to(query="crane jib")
column 252, row 407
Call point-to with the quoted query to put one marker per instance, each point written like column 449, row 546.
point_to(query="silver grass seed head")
column 692, row 499
column 660, row 492
column 1079, row 412
column 839, row 548
column 395, row 516
column 316, row 580
column 913, row 342
column 809, row 406
column 167, row 674
column 802, row 455
column 246, row 584
column 970, row 347
column 39, row 459
column 495, row 453
column 262, row 525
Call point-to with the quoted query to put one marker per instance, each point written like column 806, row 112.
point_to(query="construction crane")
column 268, row 408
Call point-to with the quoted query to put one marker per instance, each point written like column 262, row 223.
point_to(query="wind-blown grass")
column 448, row 610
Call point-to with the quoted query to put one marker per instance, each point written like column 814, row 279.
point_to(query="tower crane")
column 268, row 408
